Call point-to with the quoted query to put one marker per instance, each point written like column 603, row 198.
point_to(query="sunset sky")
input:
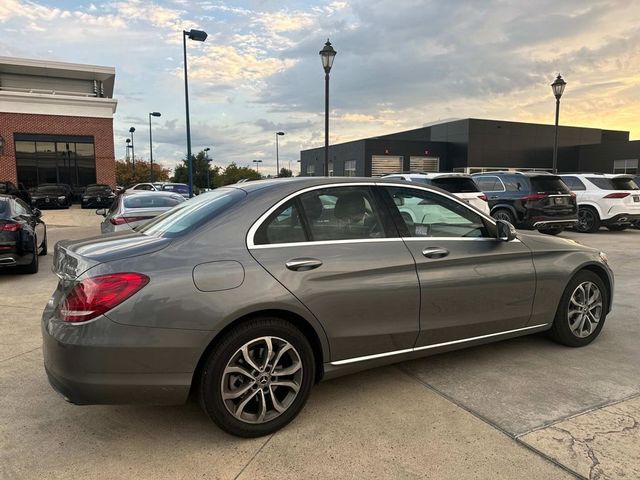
column 400, row 64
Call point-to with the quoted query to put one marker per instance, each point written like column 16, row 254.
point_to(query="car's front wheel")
column 504, row 214
column 258, row 377
column 582, row 310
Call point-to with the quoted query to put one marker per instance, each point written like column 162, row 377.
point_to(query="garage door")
column 385, row 164
column 424, row 164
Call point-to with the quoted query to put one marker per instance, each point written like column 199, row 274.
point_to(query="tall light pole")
column 327, row 55
column 198, row 36
column 127, row 156
column 133, row 150
column 151, row 114
column 257, row 162
column 558, row 89
column 206, row 156
column 278, row 134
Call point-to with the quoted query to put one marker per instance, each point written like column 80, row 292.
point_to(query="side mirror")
column 505, row 231
column 36, row 212
column 101, row 211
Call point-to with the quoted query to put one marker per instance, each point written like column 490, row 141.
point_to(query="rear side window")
column 603, row 183
column 193, row 213
column 489, row 184
column 625, row 184
column 283, row 226
column 574, row 183
column 548, row 184
column 455, row 184
column 152, row 201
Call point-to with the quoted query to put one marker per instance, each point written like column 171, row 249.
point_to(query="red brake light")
column 534, row 196
column 482, row 197
column 573, row 194
column 96, row 295
column 617, row 195
column 10, row 227
column 117, row 220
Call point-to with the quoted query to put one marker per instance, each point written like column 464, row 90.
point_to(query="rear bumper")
column 103, row 362
column 622, row 219
column 553, row 223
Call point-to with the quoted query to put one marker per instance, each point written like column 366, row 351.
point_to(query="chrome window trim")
column 435, row 345
column 256, row 225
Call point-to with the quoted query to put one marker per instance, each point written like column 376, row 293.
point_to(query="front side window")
column 426, row 214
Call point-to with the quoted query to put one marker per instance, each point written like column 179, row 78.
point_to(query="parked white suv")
column 459, row 184
column 612, row 201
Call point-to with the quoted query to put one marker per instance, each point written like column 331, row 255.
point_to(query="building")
column 56, row 123
column 474, row 145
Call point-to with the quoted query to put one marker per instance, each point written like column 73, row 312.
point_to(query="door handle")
column 303, row 264
column 435, row 252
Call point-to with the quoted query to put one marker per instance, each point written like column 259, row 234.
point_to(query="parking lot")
column 522, row 408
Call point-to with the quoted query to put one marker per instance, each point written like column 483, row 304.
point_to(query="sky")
column 401, row 64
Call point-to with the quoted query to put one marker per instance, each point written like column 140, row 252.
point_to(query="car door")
column 33, row 224
column 471, row 283
column 336, row 251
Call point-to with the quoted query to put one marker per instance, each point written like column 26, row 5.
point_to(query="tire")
column 588, row 220
column 44, row 246
column 551, row 231
column 562, row 331
column 617, row 228
column 33, row 266
column 504, row 214
column 228, row 353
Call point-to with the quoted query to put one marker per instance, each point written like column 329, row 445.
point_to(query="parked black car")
column 52, row 195
column 530, row 200
column 97, row 196
column 23, row 235
column 9, row 188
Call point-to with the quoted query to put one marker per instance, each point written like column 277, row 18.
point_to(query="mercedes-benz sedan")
column 250, row 294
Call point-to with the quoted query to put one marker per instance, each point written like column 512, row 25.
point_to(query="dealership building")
column 474, row 145
column 56, row 123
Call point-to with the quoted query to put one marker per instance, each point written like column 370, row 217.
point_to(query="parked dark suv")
column 9, row 188
column 532, row 200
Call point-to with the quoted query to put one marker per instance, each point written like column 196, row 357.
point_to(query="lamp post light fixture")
column 278, row 134
column 198, row 36
column 151, row 114
column 558, row 89
column 257, row 162
column 133, row 150
column 206, row 156
column 327, row 54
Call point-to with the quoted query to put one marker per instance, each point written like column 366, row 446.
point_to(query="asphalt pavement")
column 522, row 408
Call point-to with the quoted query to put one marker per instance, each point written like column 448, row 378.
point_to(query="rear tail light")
column 573, row 194
column 10, row 227
column 617, row 195
column 123, row 220
column 482, row 197
column 97, row 295
column 534, row 196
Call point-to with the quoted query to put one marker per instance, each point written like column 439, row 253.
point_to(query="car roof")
column 514, row 172
column 149, row 192
column 430, row 175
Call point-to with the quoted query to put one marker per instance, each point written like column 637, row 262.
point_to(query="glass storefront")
column 55, row 159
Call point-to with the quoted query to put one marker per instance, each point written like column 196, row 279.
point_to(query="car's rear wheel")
column 617, row 228
column 551, row 231
column 582, row 310
column 257, row 378
column 503, row 214
column 588, row 220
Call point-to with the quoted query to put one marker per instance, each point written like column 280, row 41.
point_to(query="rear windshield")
column 193, row 213
column 623, row 183
column 548, row 184
column 152, row 201
column 176, row 188
column 52, row 189
column 602, row 182
column 455, row 184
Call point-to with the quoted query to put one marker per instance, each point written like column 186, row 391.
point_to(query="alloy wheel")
column 261, row 380
column 503, row 215
column 586, row 219
column 585, row 309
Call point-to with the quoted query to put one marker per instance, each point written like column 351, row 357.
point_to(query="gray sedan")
column 250, row 294
column 132, row 209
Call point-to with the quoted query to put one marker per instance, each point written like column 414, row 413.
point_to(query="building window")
column 625, row 166
column 51, row 159
column 331, row 168
column 350, row 168
column 311, row 170
column 385, row 164
column 424, row 164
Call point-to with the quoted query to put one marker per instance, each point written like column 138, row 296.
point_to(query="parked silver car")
column 250, row 294
column 132, row 209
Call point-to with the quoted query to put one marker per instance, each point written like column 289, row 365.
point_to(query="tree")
column 125, row 175
column 232, row 173
column 217, row 175
column 285, row 172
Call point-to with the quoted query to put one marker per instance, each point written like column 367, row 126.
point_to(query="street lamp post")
column 126, row 155
column 278, row 134
column 257, row 162
column 327, row 55
column 558, row 89
column 151, row 114
column 198, row 36
column 206, row 156
column 133, row 150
